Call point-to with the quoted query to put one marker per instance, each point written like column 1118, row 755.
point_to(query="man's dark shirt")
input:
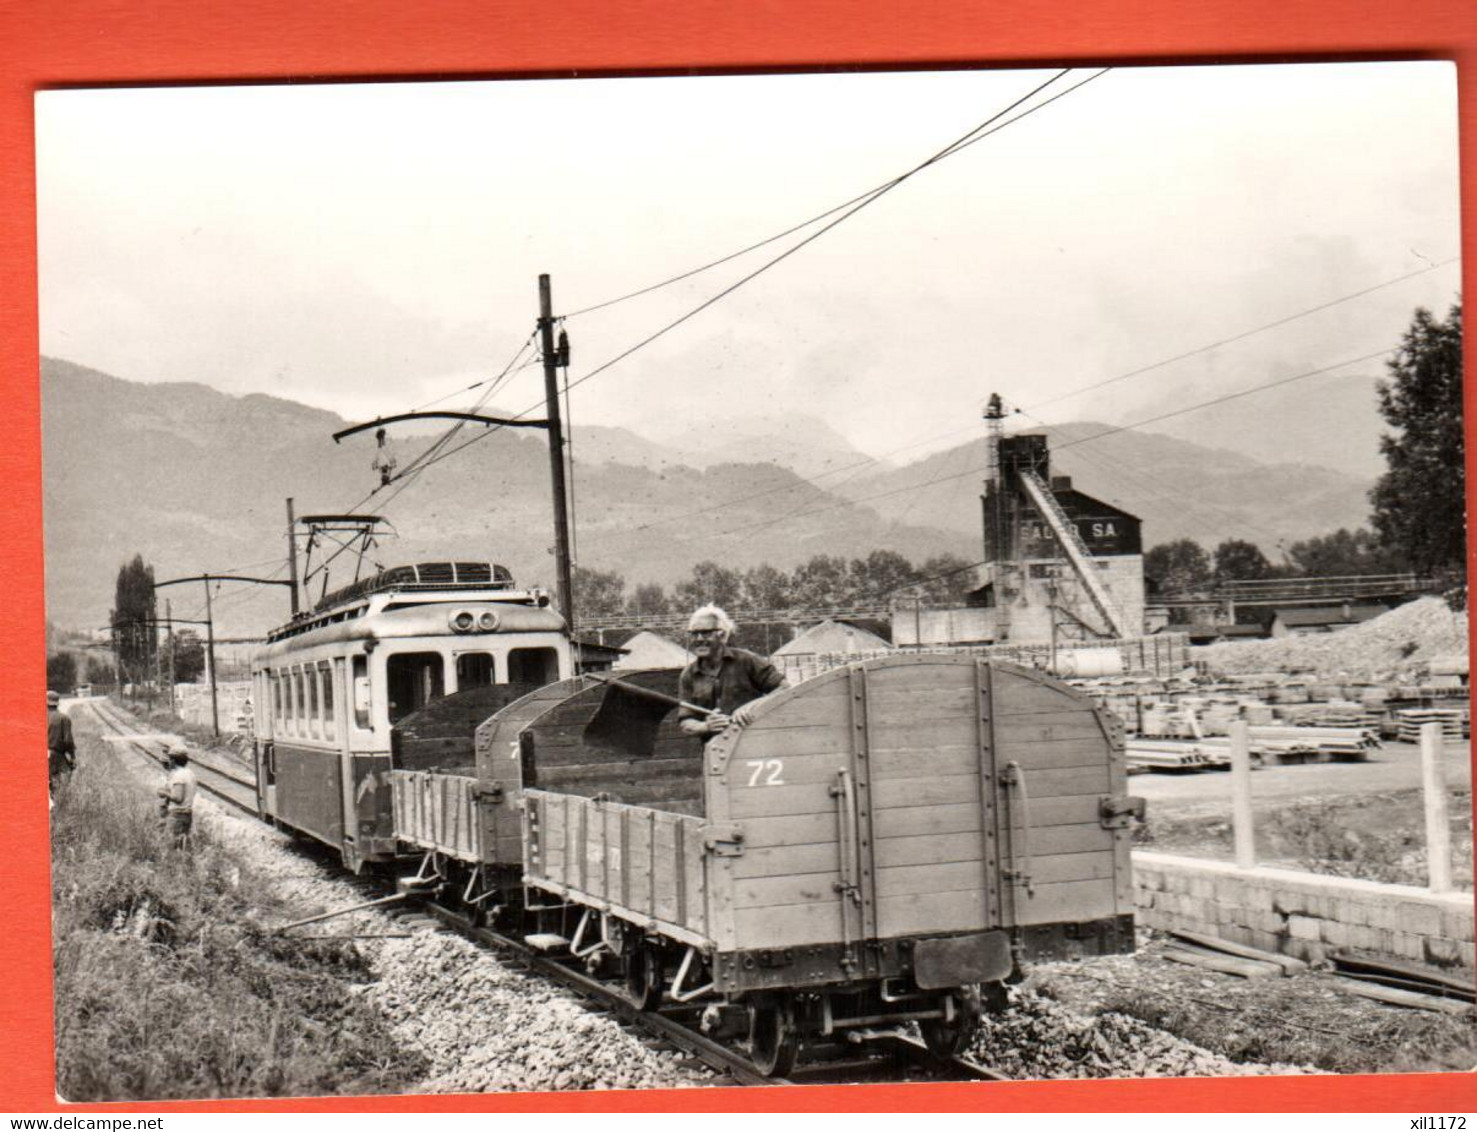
column 742, row 676
column 59, row 733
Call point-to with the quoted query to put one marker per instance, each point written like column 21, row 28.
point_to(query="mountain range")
column 196, row 480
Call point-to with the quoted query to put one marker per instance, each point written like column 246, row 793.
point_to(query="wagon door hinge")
column 724, row 840
column 493, row 792
column 1118, row 812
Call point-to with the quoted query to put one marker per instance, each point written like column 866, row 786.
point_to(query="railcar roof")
column 414, row 613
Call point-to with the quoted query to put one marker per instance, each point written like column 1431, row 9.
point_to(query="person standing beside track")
column 177, row 797
column 726, row 679
column 61, row 749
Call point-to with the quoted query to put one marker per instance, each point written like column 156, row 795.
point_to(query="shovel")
column 628, row 717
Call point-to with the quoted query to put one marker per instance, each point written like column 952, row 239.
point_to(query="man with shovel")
column 726, row 680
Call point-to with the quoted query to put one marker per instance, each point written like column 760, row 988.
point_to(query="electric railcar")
column 331, row 685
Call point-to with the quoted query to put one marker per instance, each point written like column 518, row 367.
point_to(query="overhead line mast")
column 554, row 358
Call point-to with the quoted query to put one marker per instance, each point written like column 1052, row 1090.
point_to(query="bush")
column 166, row 984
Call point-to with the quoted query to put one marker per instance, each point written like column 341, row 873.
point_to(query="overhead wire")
column 768, row 239
column 1244, row 334
column 1060, row 447
column 869, row 460
column 977, row 134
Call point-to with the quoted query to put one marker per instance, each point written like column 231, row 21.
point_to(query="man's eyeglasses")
column 705, row 632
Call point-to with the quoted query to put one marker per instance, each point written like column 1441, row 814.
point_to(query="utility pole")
column 215, row 719
column 215, row 713
column 556, row 451
column 169, row 622
column 292, row 554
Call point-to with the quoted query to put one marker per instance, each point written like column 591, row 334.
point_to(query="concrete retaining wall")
column 1303, row 914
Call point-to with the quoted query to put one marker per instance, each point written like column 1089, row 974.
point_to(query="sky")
column 370, row 248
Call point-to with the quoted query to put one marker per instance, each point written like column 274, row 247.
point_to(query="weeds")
column 167, row 985
column 1378, row 837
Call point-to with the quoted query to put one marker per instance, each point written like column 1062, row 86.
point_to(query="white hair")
column 725, row 622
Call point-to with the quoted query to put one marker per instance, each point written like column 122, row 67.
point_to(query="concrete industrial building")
column 1060, row 566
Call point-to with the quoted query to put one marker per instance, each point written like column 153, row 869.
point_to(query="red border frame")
column 87, row 42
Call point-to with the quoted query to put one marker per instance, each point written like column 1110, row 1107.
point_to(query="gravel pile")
column 1394, row 645
column 1040, row 1038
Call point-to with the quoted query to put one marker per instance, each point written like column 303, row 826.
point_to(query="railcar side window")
column 412, row 680
column 299, row 703
column 311, row 723
column 533, row 666
column 361, row 693
column 326, row 675
column 473, row 670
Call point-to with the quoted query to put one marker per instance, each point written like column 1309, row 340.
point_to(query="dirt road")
column 1397, row 766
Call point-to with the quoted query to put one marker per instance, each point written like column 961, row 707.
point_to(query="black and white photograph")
column 689, row 581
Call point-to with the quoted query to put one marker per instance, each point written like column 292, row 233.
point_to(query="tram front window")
column 413, row 679
column 533, row 666
column 473, row 670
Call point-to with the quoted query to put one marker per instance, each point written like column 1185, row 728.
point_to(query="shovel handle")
column 649, row 693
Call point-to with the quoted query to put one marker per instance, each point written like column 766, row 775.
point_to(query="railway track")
column 884, row 1058
column 889, row 1058
column 217, row 776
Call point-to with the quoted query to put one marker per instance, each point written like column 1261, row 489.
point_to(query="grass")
column 167, row 984
column 1298, row 1021
column 1378, row 837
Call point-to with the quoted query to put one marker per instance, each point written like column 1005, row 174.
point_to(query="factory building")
column 1060, row 566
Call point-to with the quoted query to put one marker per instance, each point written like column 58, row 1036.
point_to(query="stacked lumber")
column 1215, row 954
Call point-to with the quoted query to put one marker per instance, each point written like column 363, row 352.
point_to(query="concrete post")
column 1241, row 794
column 1438, row 825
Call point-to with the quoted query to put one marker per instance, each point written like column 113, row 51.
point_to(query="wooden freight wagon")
column 877, row 843
column 461, row 765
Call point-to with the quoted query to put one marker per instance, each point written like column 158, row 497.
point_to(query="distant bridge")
column 1304, row 591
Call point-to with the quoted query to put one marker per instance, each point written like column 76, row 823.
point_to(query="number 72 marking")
column 770, row 769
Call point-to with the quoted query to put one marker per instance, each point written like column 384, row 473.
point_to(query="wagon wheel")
column 951, row 1038
column 644, row 977
column 774, row 1043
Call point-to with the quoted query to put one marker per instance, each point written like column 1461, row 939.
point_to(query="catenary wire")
column 1070, row 444
column 767, row 240
column 979, row 133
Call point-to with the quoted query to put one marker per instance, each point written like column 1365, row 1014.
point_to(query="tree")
column 946, row 578
column 61, row 672
column 881, row 574
column 100, row 670
column 820, row 583
column 1239, row 561
column 649, row 600
column 1420, row 503
column 189, row 657
column 710, row 582
column 766, row 587
column 1342, row 554
column 134, row 611
column 1178, row 565
column 598, row 593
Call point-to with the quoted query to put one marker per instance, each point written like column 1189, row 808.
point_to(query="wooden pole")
column 215, row 714
column 1241, row 794
column 556, row 453
column 292, row 554
column 1438, row 822
column 169, row 622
